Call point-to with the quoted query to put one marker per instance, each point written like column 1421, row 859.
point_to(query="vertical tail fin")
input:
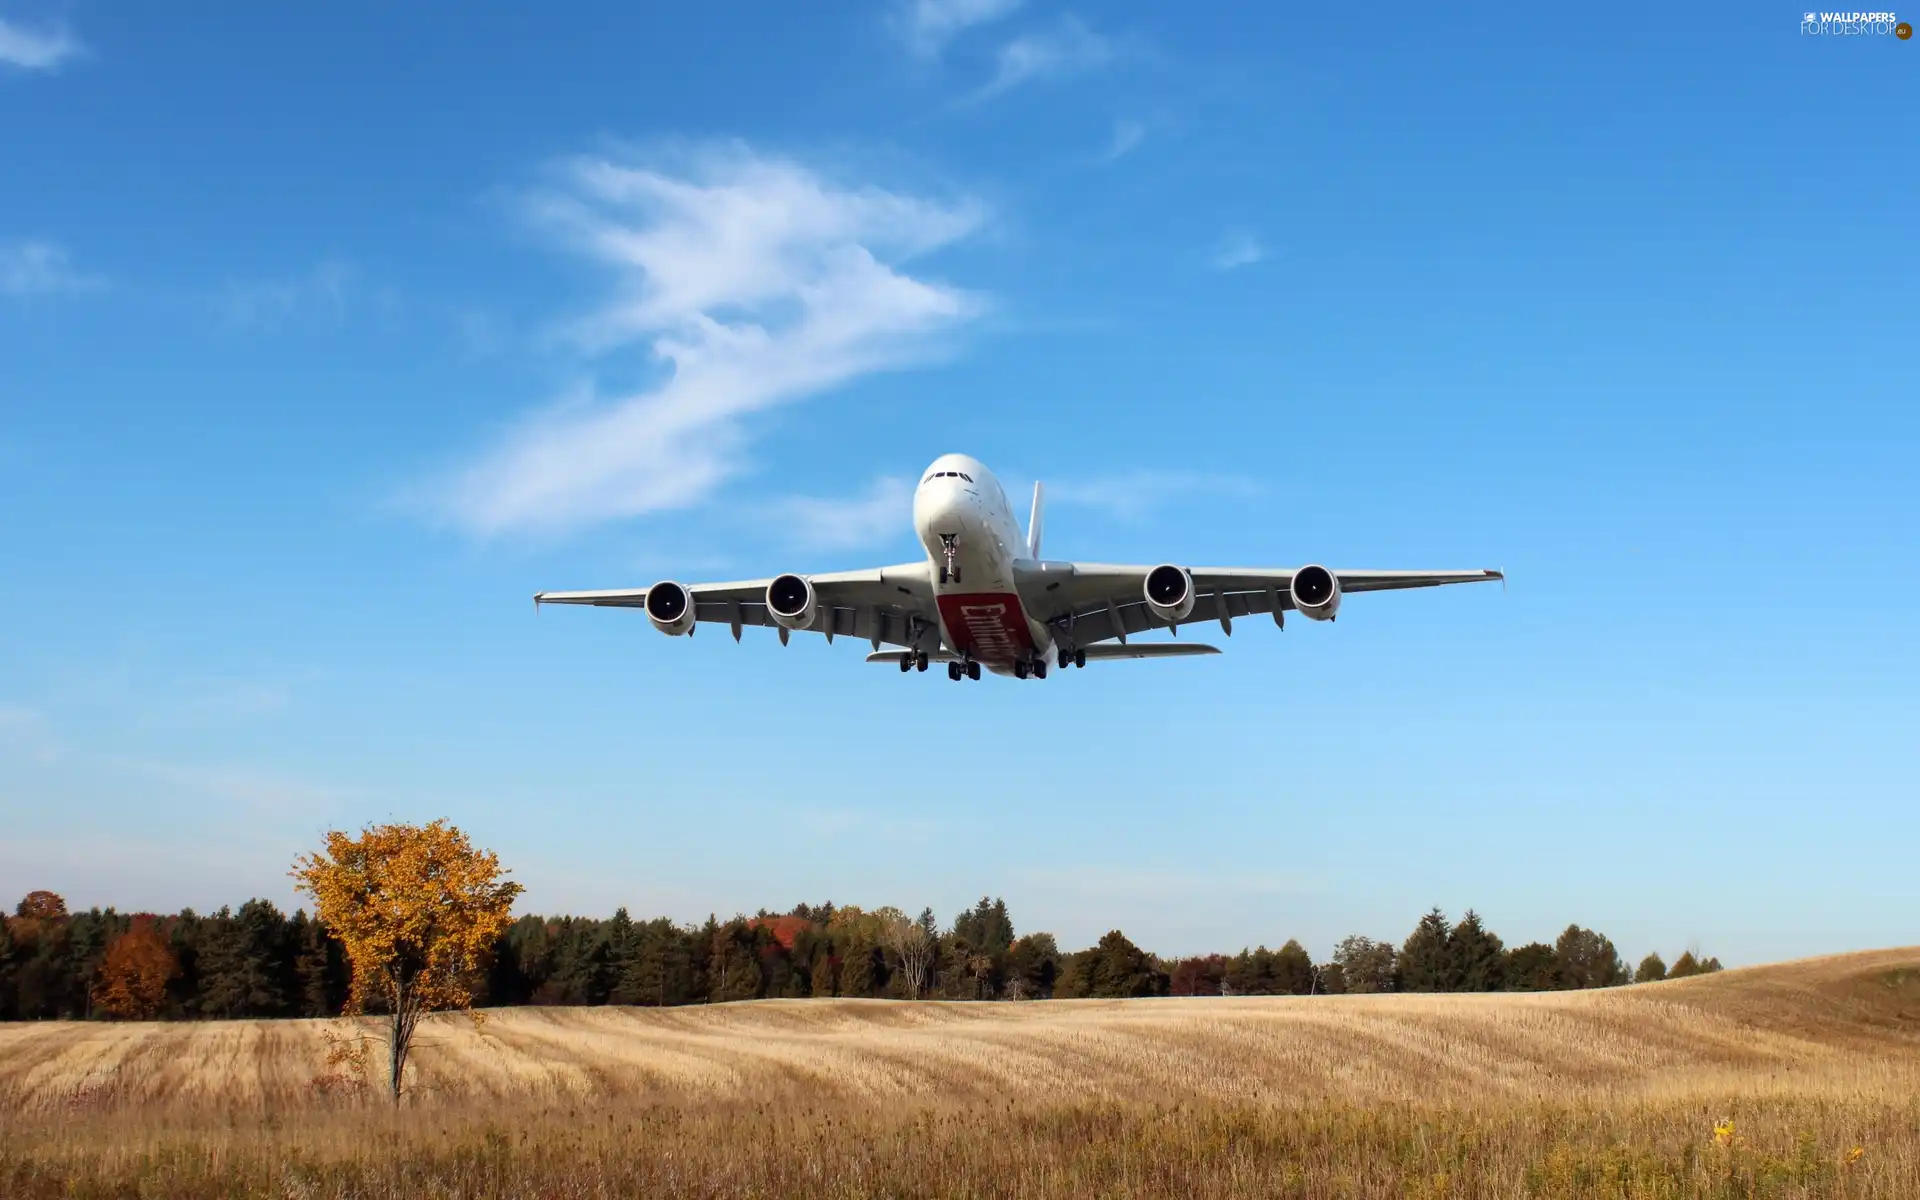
column 1034, row 521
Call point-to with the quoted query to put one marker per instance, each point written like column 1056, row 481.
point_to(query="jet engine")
column 1316, row 593
column 670, row 608
column 1170, row 593
column 790, row 602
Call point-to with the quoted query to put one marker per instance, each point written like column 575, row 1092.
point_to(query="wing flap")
column 1149, row 650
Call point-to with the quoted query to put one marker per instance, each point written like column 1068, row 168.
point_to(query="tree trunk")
column 399, row 1038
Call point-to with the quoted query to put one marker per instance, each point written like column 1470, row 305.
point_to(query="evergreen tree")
column 244, row 963
column 620, row 950
column 320, row 974
column 1249, row 973
column 1477, row 956
column 1425, row 962
column 1689, row 964
column 1292, row 969
column 1652, row 969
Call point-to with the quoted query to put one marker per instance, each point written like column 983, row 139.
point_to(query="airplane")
column 984, row 598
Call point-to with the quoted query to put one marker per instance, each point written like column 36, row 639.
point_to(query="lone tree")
column 418, row 910
column 912, row 945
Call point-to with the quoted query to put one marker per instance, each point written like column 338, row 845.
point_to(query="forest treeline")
column 255, row 961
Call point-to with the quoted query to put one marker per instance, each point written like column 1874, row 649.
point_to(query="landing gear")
column 920, row 661
column 950, row 544
column 957, row 669
column 1079, row 658
column 906, row 663
column 1039, row 668
column 1020, row 670
column 973, row 670
column 953, row 671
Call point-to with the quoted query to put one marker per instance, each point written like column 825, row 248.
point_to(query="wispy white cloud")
column 1069, row 48
column 43, row 49
column 1238, row 250
column 883, row 512
column 247, row 787
column 41, row 268
column 757, row 280
column 1127, row 136
column 323, row 291
column 1135, row 494
column 928, row 25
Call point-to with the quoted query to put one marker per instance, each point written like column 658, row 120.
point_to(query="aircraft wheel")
column 920, row 661
column 1079, row 658
column 973, row 670
column 906, row 664
column 1039, row 670
column 953, row 671
column 1019, row 670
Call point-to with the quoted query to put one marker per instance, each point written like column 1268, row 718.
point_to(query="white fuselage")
column 964, row 520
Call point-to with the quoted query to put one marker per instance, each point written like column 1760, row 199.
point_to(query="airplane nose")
column 938, row 507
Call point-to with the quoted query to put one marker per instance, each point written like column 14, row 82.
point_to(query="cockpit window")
column 948, row 475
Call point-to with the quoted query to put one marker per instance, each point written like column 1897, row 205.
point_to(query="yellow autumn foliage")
column 418, row 909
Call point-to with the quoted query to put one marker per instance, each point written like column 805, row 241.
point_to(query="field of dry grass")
column 1815, row 1064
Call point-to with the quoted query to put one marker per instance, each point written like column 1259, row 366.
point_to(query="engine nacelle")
column 1316, row 593
column 1169, row 593
column 790, row 602
column 670, row 608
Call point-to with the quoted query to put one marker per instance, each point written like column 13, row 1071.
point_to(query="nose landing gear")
column 950, row 545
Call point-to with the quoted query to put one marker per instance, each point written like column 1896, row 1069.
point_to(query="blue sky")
column 327, row 339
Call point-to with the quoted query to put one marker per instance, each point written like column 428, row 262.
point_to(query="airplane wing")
column 1096, row 602
column 882, row 605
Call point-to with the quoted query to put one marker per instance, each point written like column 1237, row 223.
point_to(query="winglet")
column 1034, row 521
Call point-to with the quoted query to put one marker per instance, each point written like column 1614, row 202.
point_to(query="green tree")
column 1585, row 959
column 243, row 963
column 733, row 968
column 1250, row 973
column 1531, row 968
column 1425, row 963
column 1690, row 964
column 1652, row 969
column 320, row 969
column 1479, row 959
column 8, row 953
column 985, row 928
column 1114, row 969
column 1365, row 965
column 861, row 974
column 1292, row 969
column 1033, row 967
